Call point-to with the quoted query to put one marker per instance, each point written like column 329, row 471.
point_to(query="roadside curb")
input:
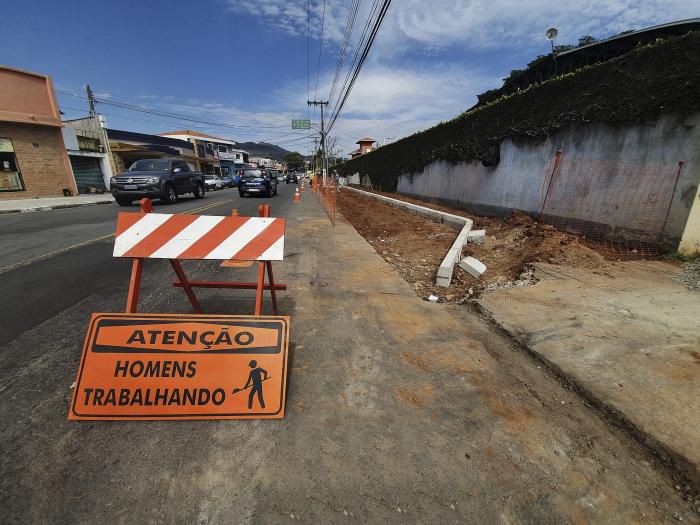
column 444, row 273
column 30, row 209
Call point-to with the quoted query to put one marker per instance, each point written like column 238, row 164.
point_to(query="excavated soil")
column 415, row 246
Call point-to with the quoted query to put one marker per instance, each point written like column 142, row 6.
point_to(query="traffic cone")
column 302, row 187
column 297, row 195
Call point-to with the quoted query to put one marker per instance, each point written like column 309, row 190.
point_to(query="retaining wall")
column 516, row 181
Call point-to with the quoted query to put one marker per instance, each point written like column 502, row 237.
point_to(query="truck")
column 164, row 179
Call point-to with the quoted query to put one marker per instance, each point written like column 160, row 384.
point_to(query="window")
column 222, row 149
column 10, row 177
column 150, row 165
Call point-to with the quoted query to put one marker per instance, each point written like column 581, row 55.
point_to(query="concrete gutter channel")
column 679, row 467
column 444, row 273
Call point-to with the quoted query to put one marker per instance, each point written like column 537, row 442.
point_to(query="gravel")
column 691, row 275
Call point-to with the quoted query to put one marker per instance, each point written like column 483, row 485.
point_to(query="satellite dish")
column 551, row 33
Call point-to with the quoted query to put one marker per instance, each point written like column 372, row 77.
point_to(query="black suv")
column 292, row 177
column 164, row 179
column 257, row 181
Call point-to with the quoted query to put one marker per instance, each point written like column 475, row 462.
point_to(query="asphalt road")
column 51, row 260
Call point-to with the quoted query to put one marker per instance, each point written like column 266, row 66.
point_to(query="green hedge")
column 659, row 78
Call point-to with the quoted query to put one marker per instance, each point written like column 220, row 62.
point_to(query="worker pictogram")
column 167, row 366
column 255, row 380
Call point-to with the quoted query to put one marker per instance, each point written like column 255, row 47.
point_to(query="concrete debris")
column 472, row 266
column 526, row 278
column 476, row 236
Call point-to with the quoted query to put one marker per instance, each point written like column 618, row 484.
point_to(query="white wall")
column 515, row 183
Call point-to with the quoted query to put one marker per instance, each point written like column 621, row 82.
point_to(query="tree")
column 333, row 149
column 294, row 161
column 586, row 39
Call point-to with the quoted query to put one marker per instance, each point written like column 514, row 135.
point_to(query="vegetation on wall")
column 653, row 79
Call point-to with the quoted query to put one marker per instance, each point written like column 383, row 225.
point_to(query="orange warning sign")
column 168, row 366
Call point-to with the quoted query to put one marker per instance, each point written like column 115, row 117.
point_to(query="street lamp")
column 550, row 35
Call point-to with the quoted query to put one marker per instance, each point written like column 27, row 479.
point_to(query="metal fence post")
column 557, row 158
column 673, row 193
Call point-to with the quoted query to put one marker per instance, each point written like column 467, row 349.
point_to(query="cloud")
column 385, row 102
column 502, row 23
column 398, row 101
column 291, row 16
column 421, row 70
column 472, row 23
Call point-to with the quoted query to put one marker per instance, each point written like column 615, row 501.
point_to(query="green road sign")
column 301, row 124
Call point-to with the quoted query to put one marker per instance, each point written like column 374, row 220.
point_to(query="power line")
column 159, row 113
column 349, row 26
column 320, row 47
column 153, row 121
column 308, row 61
column 360, row 45
column 365, row 53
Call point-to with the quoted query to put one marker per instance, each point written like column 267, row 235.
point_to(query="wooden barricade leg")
column 186, row 285
column 259, row 289
column 132, row 299
column 271, row 280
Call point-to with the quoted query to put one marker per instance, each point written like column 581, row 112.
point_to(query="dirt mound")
column 415, row 246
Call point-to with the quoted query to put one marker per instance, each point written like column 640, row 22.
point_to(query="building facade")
column 33, row 158
column 263, row 162
column 365, row 146
column 127, row 147
column 213, row 154
column 88, row 150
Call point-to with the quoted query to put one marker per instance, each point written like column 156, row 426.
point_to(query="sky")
column 253, row 64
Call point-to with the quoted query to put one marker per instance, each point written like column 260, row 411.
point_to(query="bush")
column 649, row 81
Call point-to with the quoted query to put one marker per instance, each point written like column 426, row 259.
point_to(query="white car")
column 213, row 182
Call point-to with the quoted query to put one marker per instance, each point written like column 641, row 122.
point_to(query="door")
column 183, row 178
column 87, row 173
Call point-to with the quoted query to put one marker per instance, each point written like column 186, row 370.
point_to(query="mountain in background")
column 263, row 149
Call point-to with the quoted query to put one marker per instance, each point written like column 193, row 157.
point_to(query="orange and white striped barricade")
column 148, row 235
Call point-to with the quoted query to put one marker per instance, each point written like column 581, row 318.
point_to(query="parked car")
column 277, row 175
column 257, row 181
column 227, row 181
column 164, row 179
column 213, row 182
column 292, row 177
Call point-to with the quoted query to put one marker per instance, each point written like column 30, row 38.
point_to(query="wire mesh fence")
column 622, row 208
column 327, row 192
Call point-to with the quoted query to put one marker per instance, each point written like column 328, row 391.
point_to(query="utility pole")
column 324, row 166
column 313, row 156
column 91, row 100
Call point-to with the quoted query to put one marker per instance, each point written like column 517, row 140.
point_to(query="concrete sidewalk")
column 398, row 411
column 628, row 335
column 53, row 203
